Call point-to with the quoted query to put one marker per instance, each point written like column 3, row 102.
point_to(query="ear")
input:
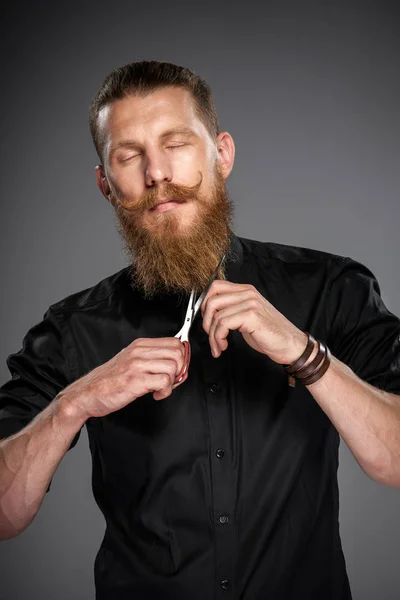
column 102, row 182
column 226, row 152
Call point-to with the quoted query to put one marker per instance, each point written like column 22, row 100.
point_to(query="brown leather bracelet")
column 321, row 370
column 314, row 365
column 297, row 365
column 313, row 371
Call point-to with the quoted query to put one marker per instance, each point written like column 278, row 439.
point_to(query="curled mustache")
column 172, row 191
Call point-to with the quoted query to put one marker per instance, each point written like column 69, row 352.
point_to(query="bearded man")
column 226, row 486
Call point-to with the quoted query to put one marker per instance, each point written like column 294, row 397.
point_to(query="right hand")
column 146, row 365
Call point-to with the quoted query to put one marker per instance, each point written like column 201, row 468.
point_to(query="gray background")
column 310, row 94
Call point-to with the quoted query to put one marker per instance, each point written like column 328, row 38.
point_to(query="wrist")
column 311, row 365
column 299, row 343
column 70, row 409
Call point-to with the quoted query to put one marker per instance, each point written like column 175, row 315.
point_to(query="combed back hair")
column 143, row 78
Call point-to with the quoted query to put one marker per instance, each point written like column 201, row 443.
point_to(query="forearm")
column 367, row 418
column 28, row 461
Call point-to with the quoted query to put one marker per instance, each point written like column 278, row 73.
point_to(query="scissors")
column 191, row 312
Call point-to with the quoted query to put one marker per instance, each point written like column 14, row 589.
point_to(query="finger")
column 220, row 286
column 164, row 393
column 227, row 320
column 163, row 342
column 160, row 385
column 153, row 353
column 219, row 302
column 157, row 367
column 175, row 385
column 219, row 323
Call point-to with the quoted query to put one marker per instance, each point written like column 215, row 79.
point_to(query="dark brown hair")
column 142, row 78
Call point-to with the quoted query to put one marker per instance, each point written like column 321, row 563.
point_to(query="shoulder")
column 285, row 253
column 104, row 292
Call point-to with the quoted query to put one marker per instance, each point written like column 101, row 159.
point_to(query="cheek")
column 126, row 184
column 187, row 165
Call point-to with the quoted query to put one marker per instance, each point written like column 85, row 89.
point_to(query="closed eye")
column 125, row 159
column 132, row 156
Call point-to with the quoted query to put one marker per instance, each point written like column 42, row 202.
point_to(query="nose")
column 157, row 170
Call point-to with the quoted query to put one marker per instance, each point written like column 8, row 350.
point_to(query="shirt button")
column 225, row 584
column 224, row 519
column 214, row 388
column 220, row 453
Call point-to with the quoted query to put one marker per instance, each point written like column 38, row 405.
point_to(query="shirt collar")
column 234, row 259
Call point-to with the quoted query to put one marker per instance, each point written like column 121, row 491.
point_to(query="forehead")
column 143, row 116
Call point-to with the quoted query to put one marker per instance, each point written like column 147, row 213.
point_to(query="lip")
column 164, row 201
column 164, row 206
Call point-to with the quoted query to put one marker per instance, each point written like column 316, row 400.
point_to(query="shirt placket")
column 222, row 472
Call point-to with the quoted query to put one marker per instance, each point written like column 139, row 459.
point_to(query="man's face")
column 156, row 149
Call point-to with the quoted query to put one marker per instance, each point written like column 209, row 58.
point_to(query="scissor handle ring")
column 186, row 362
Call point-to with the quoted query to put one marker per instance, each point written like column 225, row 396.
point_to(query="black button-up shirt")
column 228, row 487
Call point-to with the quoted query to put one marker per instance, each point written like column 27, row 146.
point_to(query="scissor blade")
column 184, row 331
column 205, row 292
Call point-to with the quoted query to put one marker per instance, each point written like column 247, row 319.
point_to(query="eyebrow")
column 183, row 130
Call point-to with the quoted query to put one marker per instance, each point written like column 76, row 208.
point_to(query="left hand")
column 229, row 306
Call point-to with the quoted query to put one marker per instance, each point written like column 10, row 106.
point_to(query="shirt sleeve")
column 362, row 332
column 39, row 371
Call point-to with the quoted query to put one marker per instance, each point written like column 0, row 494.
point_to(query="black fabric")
column 228, row 488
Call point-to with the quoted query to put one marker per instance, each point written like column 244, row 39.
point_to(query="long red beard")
column 162, row 258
